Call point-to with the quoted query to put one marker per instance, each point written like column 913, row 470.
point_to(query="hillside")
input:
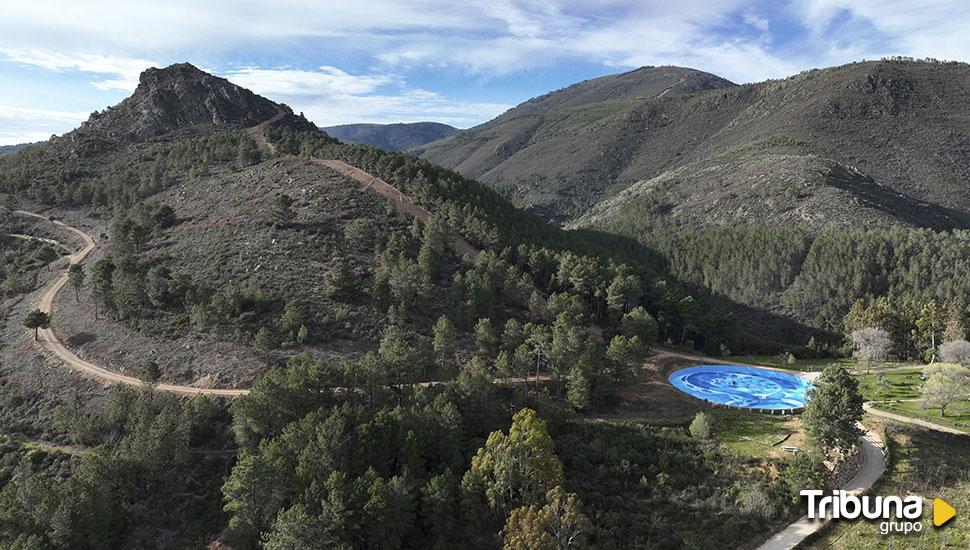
column 391, row 137
column 887, row 138
column 390, row 319
column 8, row 149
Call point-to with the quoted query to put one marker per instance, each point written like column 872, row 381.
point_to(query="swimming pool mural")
column 738, row 386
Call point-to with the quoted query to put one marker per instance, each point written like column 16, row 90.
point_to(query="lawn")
column 778, row 362
column 900, row 384
column 926, row 463
column 956, row 416
column 902, row 391
column 757, row 435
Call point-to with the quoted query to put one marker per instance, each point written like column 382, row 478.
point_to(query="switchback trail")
column 50, row 341
column 402, row 202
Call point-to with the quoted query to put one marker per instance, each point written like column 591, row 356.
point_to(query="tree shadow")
column 80, row 339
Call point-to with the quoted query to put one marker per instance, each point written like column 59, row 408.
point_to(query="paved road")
column 873, row 466
column 50, row 341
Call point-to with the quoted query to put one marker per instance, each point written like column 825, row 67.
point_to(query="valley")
column 252, row 335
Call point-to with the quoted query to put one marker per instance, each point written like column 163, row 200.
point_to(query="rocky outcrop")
column 178, row 98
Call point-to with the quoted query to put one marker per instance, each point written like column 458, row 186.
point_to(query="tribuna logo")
column 898, row 514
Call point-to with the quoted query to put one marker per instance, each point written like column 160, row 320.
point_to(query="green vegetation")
column 702, row 426
column 922, row 462
column 958, row 417
column 892, row 385
column 148, row 484
column 20, row 260
column 410, row 396
column 833, row 410
column 124, row 178
column 908, row 282
column 902, row 392
column 750, row 434
column 36, row 320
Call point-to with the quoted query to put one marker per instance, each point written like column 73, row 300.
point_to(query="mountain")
column 226, row 216
column 883, row 141
column 360, row 305
column 391, row 137
column 179, row 97
column 561, row 152
column 8, row 149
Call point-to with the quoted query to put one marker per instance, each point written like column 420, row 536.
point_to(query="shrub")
column 702, row 426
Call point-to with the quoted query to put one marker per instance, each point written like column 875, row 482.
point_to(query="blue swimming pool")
column 738, row 386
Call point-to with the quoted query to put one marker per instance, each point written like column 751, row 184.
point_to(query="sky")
column 461, row 63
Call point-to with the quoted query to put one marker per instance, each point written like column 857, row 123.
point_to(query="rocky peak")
column 181, row 97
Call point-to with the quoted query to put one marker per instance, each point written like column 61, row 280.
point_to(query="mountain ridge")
column 391, row 137
column 898, row 123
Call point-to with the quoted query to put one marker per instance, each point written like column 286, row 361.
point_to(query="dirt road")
column 50, row 342
column 402, row 202
column 912, row 421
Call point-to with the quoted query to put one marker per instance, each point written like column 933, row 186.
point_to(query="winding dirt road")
column 402, row 202
column 50, row 342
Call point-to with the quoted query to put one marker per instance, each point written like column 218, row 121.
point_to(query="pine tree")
column 833, row 409
column 37, row 320
column 75, row 275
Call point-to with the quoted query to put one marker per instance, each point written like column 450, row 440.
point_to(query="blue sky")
column 461, row 63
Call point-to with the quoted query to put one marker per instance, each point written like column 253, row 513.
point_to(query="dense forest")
column 816, row 277
column 373, row 465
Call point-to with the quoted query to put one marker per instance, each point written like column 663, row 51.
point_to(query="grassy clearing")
column 757, row 435
column 956, row 417
column 893, row 385
column 813, row 364
column 922, row 462
column 900, row 388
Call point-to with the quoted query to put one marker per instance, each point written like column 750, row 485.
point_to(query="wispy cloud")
column 330, row 96
column 18, row 125
column 326, row 81
column 122, row 71
column 346, row 61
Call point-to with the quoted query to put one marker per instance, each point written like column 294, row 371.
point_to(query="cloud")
column 330, row 96
column 326, row 81
column 291, row 49
column 920, row 29
column 755, row 20
column 19, row 125
column 124, row 71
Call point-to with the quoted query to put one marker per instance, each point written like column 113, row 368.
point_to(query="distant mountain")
column 391, row 137
column 7, row 149
column 884, row 141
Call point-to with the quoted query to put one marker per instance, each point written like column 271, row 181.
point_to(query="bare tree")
column 872, row 344
column 956, row 351
column 946, row 385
